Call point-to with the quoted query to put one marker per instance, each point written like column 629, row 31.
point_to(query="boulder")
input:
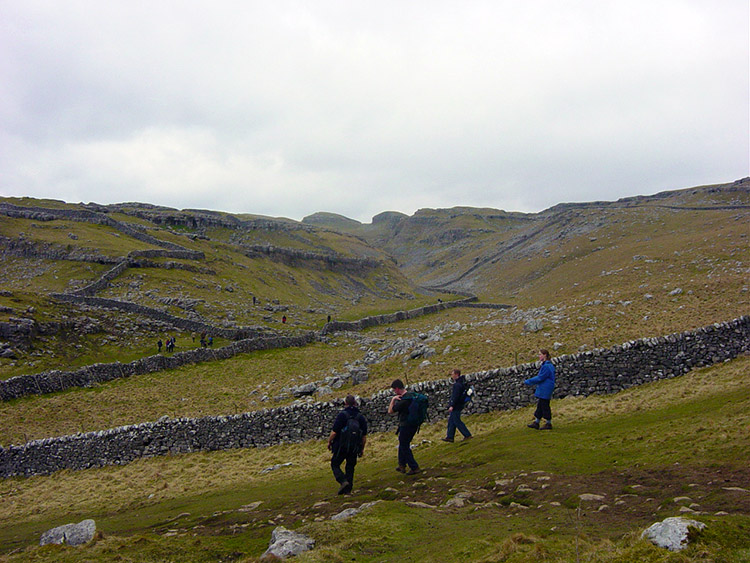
column 286, row 543
column 671, row 533
column 533, row 325
column 71, row 534
column 359, row 375
column 8, row 353
column 303, row 390
column 349, row 512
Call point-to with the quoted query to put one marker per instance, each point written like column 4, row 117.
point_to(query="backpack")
column 417, row 409
column 350, row 437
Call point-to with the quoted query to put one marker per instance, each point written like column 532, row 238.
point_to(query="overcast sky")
column 286, row 108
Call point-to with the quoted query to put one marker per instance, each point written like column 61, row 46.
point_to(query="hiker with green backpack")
column 411, row 409
column 347, row 442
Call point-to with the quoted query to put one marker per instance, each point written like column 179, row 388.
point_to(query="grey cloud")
column 286, row 109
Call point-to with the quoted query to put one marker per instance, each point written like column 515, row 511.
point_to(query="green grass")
column 104, row 239
column 638, row 449
column 210, row 388
column 643, row 448
column 239, row 384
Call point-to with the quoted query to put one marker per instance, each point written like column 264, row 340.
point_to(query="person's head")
column 398, row 387
column 455, row 373
column 544, row 354
column 350, row 401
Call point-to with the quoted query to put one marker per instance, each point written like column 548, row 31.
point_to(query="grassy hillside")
column 668, row 448
column 527, row 258
column 303, row 273
column 594, row 274
column 639, row 270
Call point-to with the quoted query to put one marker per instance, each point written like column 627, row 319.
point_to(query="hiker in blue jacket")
column 545, row 385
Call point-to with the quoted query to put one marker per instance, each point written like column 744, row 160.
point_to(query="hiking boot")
column 345, row 487
column 413, row 471
column 447, row 439
column 401, row 469
column 534, row 425
column 468, row 438
column 547, row 426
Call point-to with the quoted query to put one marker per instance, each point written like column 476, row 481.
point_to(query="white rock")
column 286, row 543
column 534, row 325
column 349, row 512
column 345, row 514
column 250, row 507
column 417, row 504
column 671, row 533
column 516, row 505
column 71, row 534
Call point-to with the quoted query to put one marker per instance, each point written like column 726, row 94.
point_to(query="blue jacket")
column 545, row 381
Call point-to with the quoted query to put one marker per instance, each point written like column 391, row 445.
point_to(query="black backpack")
column 350, row 437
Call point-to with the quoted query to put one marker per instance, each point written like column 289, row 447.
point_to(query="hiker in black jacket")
column 399, row 405
column 458, row 400
column 347, row 442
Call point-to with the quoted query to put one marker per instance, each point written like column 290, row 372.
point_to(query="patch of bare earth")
column 612, row 503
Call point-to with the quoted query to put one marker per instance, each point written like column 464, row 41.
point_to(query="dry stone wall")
column 595, row 372
column 249, row 339
column 177, row 322
column 377, row 320
column 331, row 261
column 86, row 216
column 55, row 380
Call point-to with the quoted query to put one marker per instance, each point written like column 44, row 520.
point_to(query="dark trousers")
column 348, row 473
column 405, row 455
column 455, row 422
column 543, row 409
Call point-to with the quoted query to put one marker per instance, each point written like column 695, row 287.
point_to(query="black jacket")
column 458, row 394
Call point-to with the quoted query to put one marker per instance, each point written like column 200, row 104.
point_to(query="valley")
column 573, row 278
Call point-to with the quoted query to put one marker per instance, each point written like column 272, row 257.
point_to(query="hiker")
column 283, row 319
column 458, row 401
column 407, row 428
column 347, row 442
column 545, row 385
